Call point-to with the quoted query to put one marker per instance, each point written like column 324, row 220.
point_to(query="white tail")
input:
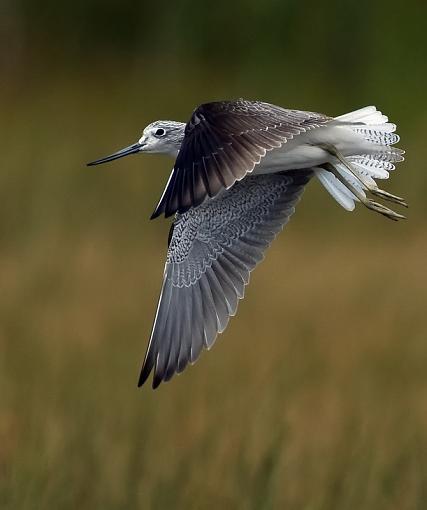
column 373, row 127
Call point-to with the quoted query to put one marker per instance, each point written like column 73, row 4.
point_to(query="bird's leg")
column 373, row 189
column 388, row 196
column 370, row 204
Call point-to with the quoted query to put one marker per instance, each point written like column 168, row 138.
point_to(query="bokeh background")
column 316, row 395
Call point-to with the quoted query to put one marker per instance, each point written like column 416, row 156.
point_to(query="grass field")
column 315, row 398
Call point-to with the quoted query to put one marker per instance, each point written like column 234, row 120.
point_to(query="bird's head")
column 161, row 137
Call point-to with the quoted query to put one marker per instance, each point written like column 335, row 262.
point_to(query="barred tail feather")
column 372, row 125
column 376, row 159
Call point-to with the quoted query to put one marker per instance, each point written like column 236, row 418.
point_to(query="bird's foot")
column 382, row 209
column 385, row 195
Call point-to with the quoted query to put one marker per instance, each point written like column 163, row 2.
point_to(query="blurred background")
column 316, row 395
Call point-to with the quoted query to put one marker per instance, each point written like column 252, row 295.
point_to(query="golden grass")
column 315, row 397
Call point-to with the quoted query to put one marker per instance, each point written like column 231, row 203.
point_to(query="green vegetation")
column 315, row 398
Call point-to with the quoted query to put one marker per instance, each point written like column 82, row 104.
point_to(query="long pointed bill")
column 132, row 149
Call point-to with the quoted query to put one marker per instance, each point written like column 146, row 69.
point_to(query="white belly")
column 303, row 150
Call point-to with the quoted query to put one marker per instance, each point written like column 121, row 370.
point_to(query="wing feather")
column 243, row 131
column 212, row 250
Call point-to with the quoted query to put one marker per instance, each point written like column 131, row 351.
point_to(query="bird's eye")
column 160, row 132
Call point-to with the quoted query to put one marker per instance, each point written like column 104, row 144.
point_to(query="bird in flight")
column 240, row 169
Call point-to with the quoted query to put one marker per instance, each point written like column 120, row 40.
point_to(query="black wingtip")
column 156, row 381
column 145, row 374
column 146, row 369
column 160, row 207
column 155, row 214
column 143, row 377
column 158, row 212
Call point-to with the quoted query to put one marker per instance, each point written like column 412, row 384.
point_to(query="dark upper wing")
column 223, row 142
column 211, row 252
